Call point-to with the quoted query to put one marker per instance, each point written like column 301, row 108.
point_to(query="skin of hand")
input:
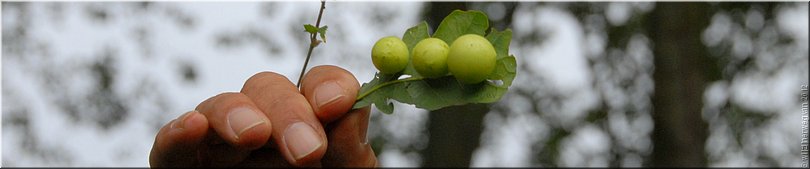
column 270, row 123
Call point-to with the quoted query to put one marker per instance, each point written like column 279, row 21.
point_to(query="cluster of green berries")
column 470, row 58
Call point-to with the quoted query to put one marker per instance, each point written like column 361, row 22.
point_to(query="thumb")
column 330, row 90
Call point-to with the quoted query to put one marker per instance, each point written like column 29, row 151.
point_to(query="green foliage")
column 460, row 23
column 312, row 30
column 432, row 94
column 411, row 37
column 322, row 31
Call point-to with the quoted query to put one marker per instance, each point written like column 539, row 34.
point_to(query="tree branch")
column 312, row 44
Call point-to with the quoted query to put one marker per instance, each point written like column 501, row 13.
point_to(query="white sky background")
column 76, row 41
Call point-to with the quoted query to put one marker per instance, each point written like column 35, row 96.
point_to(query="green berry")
column 389, row 55
column 430, row 57
column 471, row 58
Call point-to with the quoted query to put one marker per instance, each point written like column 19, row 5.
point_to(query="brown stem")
column 313, row 42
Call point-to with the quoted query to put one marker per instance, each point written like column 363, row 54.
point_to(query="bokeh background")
column 621, row 84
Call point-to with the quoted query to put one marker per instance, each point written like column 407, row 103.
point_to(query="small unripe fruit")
column 389, row 55
column 430, row 57
column 471, row 58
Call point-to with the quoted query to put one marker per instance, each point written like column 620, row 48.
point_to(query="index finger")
column 296, row 130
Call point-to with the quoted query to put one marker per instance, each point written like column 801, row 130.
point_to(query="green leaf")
column 322, row 31
column 505, row 70
column 311, row 29
column 435, row 93
column 415, row 34
column 378, row 99
column 507, row 67
column 412, row 36
column 500, row 40
column 432, row 94
column 461, row 23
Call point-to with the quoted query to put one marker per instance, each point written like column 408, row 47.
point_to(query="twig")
column 366, row 93
column 312, row 44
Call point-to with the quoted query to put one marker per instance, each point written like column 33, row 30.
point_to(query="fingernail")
column 243, row 119
column 328, row 93
column 180, row 123
column 301, row 140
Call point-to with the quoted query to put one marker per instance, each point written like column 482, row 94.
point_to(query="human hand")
column 311, row 127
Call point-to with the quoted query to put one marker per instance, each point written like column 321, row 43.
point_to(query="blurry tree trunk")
column 682, row 71
column 453, row 132
column 438, row 10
